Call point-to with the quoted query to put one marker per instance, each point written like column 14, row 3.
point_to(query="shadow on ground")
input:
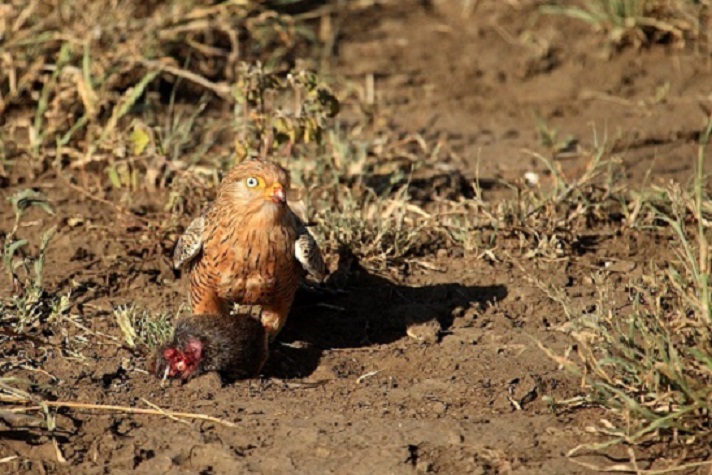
column 366, row 310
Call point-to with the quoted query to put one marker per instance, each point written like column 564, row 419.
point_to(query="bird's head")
column 256, row 186
column 179, row 360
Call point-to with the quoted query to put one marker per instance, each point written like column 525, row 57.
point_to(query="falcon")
column 249, row 247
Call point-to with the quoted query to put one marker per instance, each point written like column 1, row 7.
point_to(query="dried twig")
column 222, row 90
column 131, row 410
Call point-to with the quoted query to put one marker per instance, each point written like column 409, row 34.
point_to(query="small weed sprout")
column 30, row 304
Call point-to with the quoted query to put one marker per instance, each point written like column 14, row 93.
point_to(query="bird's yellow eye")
column 252, row 182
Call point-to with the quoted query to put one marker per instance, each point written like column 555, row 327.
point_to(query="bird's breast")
column 256, row 264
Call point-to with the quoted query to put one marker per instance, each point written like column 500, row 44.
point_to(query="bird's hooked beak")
column 276, row 194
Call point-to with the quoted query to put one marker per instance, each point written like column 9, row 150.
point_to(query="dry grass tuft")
column 141, row 329
column 651, row 364
column 84, row 67
column 640, row 22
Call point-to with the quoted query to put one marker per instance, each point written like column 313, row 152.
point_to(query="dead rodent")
column 233, row 345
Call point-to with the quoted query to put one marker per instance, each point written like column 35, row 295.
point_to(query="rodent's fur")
column 233, row 345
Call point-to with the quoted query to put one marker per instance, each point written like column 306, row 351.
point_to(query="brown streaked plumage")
column 249, row 247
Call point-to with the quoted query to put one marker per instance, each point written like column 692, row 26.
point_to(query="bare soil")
column 347, row 389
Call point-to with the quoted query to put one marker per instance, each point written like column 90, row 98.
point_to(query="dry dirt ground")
column 347, row 389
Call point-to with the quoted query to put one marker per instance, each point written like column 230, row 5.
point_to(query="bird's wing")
column 307, row 252
column 189, row 244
